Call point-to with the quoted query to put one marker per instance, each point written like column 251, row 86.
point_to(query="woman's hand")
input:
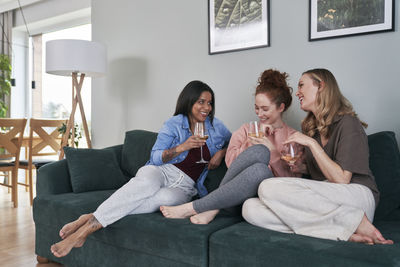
column 191, row 142
column 267, row 129
column 216, row 160
column 263, row 141
column 301, row 139
column 298, row 167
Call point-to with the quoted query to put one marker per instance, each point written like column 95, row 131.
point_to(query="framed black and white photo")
column 340, row 18
column 237, row 25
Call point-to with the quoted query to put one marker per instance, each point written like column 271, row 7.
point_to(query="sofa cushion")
column 93, row 169
column 384, row 161
column 149, row 235
column 136, row 150
column 246, row 245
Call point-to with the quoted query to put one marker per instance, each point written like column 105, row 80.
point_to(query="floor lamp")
column 79, row 59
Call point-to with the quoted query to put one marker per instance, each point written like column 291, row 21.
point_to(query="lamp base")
column 77, row 99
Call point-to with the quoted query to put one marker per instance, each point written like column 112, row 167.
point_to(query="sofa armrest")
column 53, row 178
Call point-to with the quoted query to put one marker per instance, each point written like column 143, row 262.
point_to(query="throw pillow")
column 93, row 169
column 136, row 150
column 384, row 162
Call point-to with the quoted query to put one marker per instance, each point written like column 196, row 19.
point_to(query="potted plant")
column 77, row 132
column 5, row 83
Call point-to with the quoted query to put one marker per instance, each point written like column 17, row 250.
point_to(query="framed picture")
column 340, row 18
column 237, row 25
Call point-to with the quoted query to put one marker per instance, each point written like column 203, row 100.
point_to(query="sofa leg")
column 41, row 259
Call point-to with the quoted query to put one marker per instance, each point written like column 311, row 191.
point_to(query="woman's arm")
column 216, row 160
column 237, row 145
column 170, row 141
column 331, row 170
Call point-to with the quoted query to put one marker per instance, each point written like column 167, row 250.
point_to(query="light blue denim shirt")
column 176, row 131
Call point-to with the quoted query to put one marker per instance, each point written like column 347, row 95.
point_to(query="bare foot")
column 366, row 231
column 178, row 212
column 204, row 217
column 361, row 239
column 64, row 247
column 76, row 239
column 71, row 227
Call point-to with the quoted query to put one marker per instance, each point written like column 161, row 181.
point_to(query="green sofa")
column 152, row 240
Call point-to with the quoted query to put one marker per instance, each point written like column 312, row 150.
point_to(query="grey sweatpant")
column 152, row 187
column 240, row 182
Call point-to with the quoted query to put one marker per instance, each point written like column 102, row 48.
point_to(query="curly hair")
column 329, row 103
column 274, row 84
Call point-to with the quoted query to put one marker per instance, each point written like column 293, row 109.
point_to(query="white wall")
column 155, row 49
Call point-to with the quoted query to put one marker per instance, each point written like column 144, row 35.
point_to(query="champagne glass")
column 254, row 129
column 291, row 152
column 199, row 131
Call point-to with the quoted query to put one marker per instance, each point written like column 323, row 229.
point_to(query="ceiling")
column 6, row 5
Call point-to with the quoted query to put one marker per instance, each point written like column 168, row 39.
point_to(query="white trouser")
column 152, row 187
column 307, row 207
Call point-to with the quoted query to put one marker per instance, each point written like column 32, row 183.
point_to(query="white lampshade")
column 63, row 57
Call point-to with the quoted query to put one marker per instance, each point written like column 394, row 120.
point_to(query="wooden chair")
column 11, row 135
column 44, row 140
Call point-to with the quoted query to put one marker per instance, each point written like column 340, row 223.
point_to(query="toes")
column 62, row 234
column 53, row 250
column 194, row 220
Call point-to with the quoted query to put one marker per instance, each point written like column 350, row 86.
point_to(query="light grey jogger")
column 240, row 182
column 152, row 187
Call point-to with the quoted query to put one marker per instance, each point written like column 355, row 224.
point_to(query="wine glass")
column 254, row 129
column 199, row 131
column 291, row 152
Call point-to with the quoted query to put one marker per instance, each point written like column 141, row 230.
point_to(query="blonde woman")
column 339, row 200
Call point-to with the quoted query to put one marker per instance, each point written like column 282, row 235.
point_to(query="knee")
column 249, row 209
column 143, row 171
column 260, row 153
column 261, row 171
column 270, row 189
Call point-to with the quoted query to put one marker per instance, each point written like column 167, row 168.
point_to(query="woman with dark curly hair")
column 250, row 160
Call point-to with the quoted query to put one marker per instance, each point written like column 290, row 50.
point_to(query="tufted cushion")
column 136, row 150
column 93, row 169
column 384, row 161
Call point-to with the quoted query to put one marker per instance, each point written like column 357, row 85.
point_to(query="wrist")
column 179, row 149
column 314, row 146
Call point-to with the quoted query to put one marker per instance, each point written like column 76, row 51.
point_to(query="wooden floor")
column 17, row 232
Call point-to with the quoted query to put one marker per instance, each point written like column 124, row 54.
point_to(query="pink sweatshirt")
column 239, row 143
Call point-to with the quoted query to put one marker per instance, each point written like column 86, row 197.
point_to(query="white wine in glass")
column 291, row 152
column 199, row 132
column 254, row 130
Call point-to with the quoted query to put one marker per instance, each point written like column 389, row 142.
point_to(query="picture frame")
column 235, row 25
column 337, row 18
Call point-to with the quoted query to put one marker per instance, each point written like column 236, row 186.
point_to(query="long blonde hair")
column 329, row 103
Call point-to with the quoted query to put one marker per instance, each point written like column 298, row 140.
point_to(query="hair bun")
column 274, row 84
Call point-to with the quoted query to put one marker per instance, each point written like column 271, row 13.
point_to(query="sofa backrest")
column 384, row 162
